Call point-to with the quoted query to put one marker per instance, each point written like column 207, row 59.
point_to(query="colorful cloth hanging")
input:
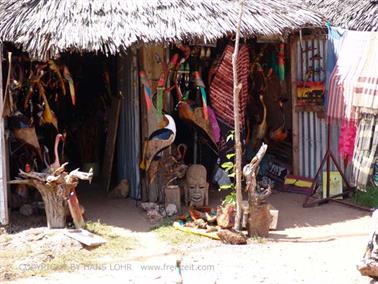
column 221, row 88
column 347, row 139
column 214, row 125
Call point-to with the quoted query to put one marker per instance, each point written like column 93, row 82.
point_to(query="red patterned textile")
column 221, row 88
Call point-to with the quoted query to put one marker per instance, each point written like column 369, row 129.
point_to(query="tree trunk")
column 259, row 220
column 259, row 215
column 55, row 189
column 238, row 148
column 55, row 207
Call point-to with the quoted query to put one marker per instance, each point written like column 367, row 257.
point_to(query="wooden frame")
column 4, row 214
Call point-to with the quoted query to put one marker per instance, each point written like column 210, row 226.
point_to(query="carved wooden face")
column 196, row 184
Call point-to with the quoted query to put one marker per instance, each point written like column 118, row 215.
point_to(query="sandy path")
column 316, row 245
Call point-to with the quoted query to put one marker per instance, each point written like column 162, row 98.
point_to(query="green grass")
column 167, row 233
column 367, row 197
column 257, row 239
column 118, row 244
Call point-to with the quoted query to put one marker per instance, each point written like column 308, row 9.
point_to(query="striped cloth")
column 221, row 88
column 365, row 88
column 343, row 76
column 365, row 149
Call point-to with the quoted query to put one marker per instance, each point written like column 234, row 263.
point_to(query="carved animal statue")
column 164, row 129
column 226, row 216
column 196, row 186
column 56, row 164
column 159, row 140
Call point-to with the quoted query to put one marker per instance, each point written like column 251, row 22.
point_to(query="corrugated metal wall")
column 3, row 172
column 312, row 129
column 128, row 145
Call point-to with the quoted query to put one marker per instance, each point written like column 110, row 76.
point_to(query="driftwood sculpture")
column 58, row 191
column 259, row 214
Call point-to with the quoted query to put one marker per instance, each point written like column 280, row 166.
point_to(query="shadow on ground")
column 323, row 222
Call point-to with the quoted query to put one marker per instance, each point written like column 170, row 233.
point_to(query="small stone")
column 26, row 210
column 163, row 212
column 149, row 206
column 171, row 209
column 154, row 215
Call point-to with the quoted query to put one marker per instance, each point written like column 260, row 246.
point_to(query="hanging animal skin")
column 48, row 116
column 258, row 87
column 28, row 136
column 68, row 77
column 55, row 68
column 275, row 113
column 263, row 126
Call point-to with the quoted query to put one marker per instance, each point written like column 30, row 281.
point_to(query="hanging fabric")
column 334, row 43
column 365, row 150
column 344, row 74
column 347, row 139
column 214, row 125
column 221, row 88
column 364, row 95
column 200, row 84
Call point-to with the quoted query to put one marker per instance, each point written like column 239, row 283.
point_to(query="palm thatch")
column 360, row 15
column 45, row 28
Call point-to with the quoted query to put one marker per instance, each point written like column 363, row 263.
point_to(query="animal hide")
column 28, row 136
column 275, row 114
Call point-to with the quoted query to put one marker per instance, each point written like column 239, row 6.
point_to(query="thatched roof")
column 45, row 28
column 360, row 15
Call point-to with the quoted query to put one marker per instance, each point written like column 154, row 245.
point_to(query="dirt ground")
column 314, row 245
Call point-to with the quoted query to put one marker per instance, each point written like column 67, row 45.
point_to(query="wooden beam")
column 111, row 138
column 147, row 63
column 4, row 217
column 295, row 116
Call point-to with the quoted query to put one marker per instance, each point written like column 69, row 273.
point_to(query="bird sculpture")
column 159, row 140
column 56, row 164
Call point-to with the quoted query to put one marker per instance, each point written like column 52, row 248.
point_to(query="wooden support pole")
column 238, row 147
column 295, row 115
